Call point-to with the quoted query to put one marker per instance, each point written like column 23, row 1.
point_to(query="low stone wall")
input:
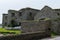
column 26, row 36
column 47, row 25
column 35, row 26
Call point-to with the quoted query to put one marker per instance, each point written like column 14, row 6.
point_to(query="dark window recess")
column 58, row 14
column 5, row 23
column 49, row 29
column 20, row 13
column 13, row 14
column 5, row 17
column 30, row 17
column 20, row 23
column 13, row 23
column 30, row 14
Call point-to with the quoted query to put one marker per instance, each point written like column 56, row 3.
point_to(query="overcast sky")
column 5, row 5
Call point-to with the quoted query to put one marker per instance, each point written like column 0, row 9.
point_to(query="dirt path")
column 54, row 38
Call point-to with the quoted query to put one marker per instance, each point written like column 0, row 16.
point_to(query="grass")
column 4, row 31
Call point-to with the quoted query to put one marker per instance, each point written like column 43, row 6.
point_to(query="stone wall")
column 23, row 14
column 5, row 19
column 46, row 12
column 35, row 26
column 26, row 36
column 55, row 26
column 12, row 15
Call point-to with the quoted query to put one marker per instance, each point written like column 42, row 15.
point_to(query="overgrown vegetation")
column 53, row 34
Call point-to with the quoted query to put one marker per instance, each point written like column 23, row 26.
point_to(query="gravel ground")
column 1, row 35
column 54, row 38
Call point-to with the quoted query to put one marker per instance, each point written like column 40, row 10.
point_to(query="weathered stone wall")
column 21, row 15
column 26, row 36
column 12, row 17
column 46, row 12
column 5, row 19
column 56, row 26
column 35, row 26
column 26, row 13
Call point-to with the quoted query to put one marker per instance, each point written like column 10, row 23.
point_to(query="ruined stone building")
column 17, row 18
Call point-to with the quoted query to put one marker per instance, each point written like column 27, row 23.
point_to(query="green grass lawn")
column 4, row 31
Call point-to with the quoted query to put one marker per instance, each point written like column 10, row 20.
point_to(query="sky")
column 5, row 5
